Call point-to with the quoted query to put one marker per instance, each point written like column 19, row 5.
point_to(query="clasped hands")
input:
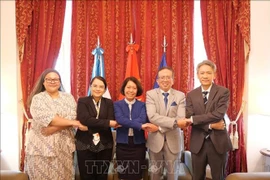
column 149, row 127
column 184, row 123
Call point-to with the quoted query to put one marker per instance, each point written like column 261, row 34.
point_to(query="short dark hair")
column 207, row 62
column 168, row 68
column 136, row 81
column 101, row 79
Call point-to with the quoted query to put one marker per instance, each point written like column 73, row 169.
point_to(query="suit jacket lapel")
column 199, row 97
column 170, row 100
column 211, row 96
column 161, row 102
column 102, row 107
column 93, row 106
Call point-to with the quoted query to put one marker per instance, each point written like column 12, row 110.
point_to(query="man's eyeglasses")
column 165, row 78
column 52, row 80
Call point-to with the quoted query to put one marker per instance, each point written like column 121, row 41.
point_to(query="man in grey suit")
column 165, row 108
column 209, row 143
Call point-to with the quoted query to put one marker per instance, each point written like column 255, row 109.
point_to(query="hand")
column 76, row 123
column 114, row 124
column 83, row 128
column 183, row 123
column 220, row 125
column 188, row 122
column 150, row 127
column 47, row 131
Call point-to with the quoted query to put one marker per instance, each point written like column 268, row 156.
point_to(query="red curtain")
column 39, row 26
column 226, row 30
column 149, row 22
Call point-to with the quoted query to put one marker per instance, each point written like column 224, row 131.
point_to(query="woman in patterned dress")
column 50, row 146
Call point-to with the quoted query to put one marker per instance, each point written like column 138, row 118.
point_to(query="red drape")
column 226, row 29
column 39, row 33
column 148, row 21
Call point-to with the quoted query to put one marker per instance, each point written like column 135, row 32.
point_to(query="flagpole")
column 131, row 39
column 98, row 42
column 163, row 62
column 165, row 44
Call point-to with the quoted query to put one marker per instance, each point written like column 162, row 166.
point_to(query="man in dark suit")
column 205, row 108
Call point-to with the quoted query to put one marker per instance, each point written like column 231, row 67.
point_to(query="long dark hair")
column 39, row 87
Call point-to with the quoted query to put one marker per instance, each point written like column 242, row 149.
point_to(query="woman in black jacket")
column 94, row 145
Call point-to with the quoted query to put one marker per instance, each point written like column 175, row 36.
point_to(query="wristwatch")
column 175, row 125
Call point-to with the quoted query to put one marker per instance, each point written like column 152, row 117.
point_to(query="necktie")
column 96, row 137
column 165, row 94
column 205, row 97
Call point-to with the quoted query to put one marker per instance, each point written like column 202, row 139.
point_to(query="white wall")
column 9, row 89
column 257, row 115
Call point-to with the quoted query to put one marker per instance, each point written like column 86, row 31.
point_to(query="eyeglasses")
column 52, row 80
column 165, row 78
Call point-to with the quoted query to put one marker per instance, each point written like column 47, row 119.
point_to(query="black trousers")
column 94, row 166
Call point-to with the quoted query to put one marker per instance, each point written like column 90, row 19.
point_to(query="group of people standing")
column 57, row 118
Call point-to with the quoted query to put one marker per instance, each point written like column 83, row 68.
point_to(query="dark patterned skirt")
column 130, row 160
